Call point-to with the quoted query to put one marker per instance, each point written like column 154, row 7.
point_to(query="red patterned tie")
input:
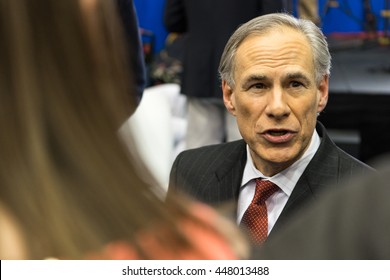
column 255, row 218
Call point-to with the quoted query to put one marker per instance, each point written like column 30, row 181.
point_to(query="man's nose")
column 277, row 106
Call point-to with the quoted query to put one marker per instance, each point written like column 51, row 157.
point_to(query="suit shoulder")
column 210, row 158
column 329, row 153
column 212, row 150
column 348, row 161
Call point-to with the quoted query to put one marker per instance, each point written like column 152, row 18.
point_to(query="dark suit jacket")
column 209, row 24
column 213, row 174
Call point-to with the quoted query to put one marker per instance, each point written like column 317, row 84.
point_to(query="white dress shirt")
column 285, row 180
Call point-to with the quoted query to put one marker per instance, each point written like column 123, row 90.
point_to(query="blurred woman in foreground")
column 69, row 187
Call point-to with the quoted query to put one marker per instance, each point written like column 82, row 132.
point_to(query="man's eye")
column 296, row 84
column 259, row 86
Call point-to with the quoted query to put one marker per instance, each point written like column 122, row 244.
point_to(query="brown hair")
column 64, row 91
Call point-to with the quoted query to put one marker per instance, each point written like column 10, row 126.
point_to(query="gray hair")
column 262, row 25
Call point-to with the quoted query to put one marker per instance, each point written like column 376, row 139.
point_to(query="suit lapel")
column 229, row 173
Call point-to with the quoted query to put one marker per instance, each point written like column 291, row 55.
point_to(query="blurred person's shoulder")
column 207, row 236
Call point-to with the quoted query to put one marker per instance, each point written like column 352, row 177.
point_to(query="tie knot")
column 264, row 189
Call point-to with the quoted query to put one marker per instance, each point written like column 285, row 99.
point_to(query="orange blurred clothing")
column 205, row 242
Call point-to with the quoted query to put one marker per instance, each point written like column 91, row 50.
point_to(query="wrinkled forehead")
column 279, row 35
column 276, row 44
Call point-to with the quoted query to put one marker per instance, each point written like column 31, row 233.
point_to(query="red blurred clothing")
column 206, row 243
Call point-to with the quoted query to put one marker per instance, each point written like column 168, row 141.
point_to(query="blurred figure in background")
column 69, row 187
column 129, row 19
column 308, row 9
column 208, row 25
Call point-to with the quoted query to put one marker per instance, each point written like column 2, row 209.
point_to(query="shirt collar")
column 288, row 178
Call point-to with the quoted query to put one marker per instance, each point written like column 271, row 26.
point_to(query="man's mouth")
column 278, row 136
column 277, row 132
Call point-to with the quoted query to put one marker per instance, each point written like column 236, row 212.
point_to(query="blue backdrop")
column 347, row 17
column 150, row 17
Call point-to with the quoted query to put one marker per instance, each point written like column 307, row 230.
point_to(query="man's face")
column 275, row 98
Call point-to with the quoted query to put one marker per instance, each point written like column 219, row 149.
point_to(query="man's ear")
column 323, row 90
column 228, row 98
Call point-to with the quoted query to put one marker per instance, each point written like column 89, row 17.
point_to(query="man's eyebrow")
column 253, row 78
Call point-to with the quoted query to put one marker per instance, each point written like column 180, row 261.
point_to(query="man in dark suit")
column 275, row 74
column 208, row 25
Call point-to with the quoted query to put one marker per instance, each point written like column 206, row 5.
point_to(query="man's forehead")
column 273, row 50
column 279, row 29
